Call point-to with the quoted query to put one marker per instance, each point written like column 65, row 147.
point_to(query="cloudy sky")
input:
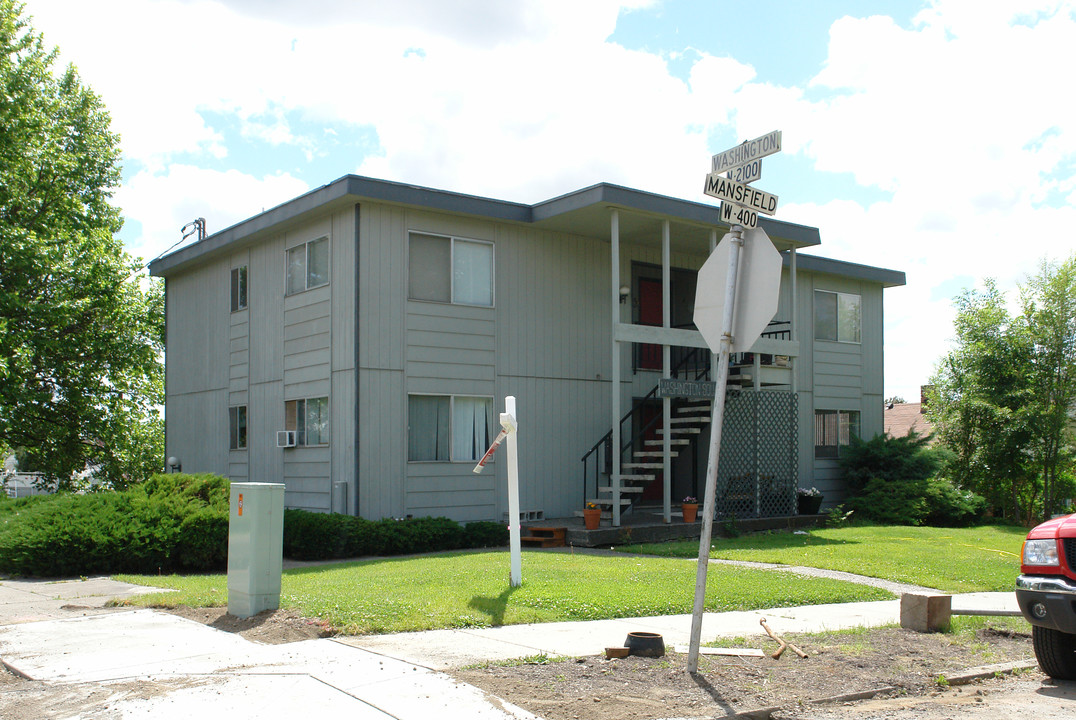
column 931, row 137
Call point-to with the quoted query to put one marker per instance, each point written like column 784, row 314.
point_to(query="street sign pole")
column 709, row 498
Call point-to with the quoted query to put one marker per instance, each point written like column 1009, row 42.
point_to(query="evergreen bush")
column 166, row 524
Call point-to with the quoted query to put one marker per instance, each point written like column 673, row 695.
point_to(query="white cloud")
column 961, row 118
column 163, row 202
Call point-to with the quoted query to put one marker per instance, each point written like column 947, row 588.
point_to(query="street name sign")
column 747, row 151
column 746, row 173
column 734, row 214
column 677, row 388
column 722, row 188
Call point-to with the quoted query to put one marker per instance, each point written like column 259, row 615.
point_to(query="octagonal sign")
column 757, row 291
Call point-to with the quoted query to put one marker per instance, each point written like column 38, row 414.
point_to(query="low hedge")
column 169, row 523
column 179, row 523
column 321, row 536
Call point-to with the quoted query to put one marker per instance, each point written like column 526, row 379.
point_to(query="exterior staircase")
column 645, row 466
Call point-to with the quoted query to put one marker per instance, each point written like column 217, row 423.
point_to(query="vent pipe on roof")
column 194, row 227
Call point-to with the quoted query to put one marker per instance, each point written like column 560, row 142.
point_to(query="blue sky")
column 933, row 137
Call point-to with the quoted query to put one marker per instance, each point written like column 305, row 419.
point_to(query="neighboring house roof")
column 582, row 212
column 900, row 418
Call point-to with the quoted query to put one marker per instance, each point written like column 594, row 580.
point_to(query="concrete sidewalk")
column 154, row 664
column 446, row 649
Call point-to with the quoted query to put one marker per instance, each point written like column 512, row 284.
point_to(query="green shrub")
column 950, row 506
column 323, row 536
column 315, row 536
column 203, row 540
column 917, row 502
column 149, row 528
column 885, row 457
column 482, row 533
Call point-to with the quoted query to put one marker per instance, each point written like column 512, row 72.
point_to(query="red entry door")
column 649, row 314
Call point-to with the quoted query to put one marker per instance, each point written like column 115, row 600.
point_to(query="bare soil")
column 272, row 627
column 837, row 665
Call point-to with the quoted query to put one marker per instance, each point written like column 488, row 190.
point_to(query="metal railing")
column 695, row 362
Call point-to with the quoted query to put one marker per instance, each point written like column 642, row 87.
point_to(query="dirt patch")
column 838, row 664
column 272, row 627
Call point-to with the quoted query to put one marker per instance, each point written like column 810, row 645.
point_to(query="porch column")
column 793, row 324
column 666, row 365
column 714, row 360
column 614, row 476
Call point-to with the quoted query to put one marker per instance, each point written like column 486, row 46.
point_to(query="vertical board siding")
column 382, row 292
column 239, row 371
column 198, row 382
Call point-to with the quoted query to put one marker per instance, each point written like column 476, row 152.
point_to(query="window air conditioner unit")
column 285, row 438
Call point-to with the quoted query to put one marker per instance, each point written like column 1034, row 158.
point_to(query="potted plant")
column 690, row 506
column 808, row 501
column 592, row 516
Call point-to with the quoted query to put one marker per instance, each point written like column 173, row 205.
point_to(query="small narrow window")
column 237, row 427
column 307, row 266
column 239, row 288
column 309, row 419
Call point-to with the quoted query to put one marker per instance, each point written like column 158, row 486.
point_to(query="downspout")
column 793, row 324
column 354, row 501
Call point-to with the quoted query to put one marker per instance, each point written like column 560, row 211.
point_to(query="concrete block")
column 925, row 613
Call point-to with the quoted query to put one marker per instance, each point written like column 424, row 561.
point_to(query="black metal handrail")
column 606, row 440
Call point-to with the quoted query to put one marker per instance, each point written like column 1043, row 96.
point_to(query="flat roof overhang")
column 584, row 212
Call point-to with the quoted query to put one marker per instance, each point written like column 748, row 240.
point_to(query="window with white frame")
column 239, row 288
column 837, row 316
column 309, row 419
column 448, row 428
column 450, row 269
column 237, row 427
column 834, row 429
column 307, row 266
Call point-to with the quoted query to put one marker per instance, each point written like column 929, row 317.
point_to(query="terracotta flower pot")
column 591, row 518
column 691, row 511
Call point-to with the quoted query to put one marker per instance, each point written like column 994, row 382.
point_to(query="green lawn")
column 471, row 589
column 985, row 558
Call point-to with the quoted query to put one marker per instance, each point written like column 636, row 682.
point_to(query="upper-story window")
column 308, row 265
column 448, row 269
column 239, row 288
column 837, row 316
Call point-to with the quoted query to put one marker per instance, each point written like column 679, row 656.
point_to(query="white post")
column 614, row 472
column 666, row 371
column 508, row 422
column 709, row 499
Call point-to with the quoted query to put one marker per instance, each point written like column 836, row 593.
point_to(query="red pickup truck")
column 1046, row 592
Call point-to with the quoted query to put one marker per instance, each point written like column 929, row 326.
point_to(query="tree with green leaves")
column 1049, row 314
column 81, row 328
column 1002, row 399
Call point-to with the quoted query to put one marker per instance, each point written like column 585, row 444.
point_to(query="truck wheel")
column 1055, row 651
